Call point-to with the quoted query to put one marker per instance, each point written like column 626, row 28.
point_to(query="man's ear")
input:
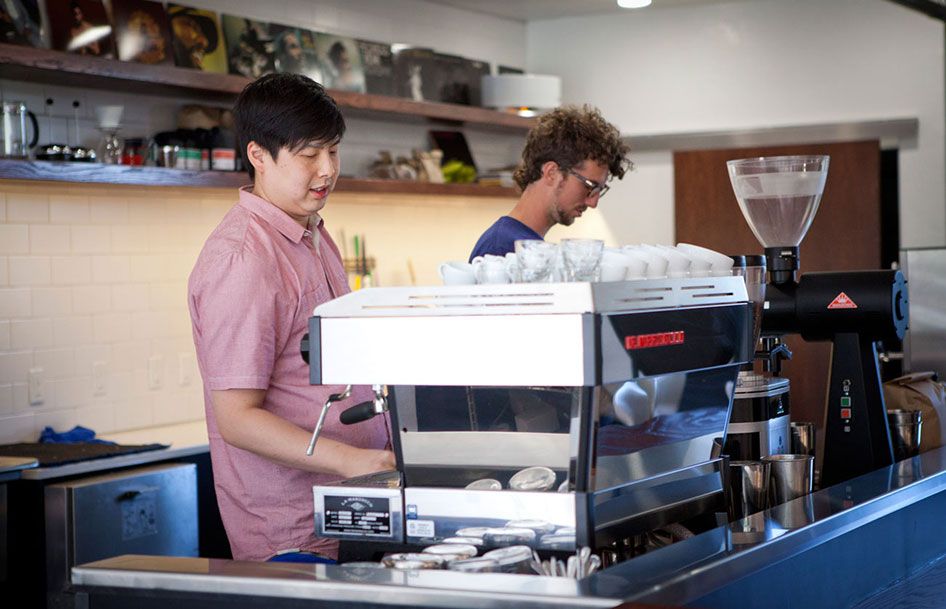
column 550, row 172
column 256, row 155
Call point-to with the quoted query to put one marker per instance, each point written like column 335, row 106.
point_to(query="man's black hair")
column 285, row 111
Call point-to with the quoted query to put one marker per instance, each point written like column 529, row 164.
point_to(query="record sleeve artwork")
column 196, row 39
column 80, row 26
column 142, row 33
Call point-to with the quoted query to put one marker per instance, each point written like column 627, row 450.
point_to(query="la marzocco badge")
column 649, row 341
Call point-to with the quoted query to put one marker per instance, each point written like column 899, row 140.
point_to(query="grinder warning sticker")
column 842, row 301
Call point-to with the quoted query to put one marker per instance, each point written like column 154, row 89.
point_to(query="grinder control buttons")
column 845, row 413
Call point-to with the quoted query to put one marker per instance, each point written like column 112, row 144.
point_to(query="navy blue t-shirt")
column 500, row 238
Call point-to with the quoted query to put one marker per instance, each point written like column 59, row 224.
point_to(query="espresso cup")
column 457, row 273
column 490, row 269
column 613, row 265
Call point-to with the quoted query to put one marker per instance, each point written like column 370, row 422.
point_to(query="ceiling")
column 534, row 10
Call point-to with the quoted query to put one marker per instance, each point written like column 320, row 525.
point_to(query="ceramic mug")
column 490, row 269
column 457, row 273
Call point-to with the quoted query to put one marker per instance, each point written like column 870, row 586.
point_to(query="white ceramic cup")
column 720, row 264
column 613, row 265
column 657, row 262
column 457, row 273
column 490, row 269
column 636, row 262
column 678, row 264
column 700, row 266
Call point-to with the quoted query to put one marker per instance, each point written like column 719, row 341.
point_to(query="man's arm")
column 243, row 423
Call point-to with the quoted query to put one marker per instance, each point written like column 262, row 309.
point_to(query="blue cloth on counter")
column 76, row 434
column 308, row 557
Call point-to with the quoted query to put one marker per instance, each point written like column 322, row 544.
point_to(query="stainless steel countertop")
column 11, row 468
column 671, row 576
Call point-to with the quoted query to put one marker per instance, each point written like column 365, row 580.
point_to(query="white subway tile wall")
column 94, row 316
column 88, row 294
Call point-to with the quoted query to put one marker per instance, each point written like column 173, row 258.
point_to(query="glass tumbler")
column 536, row 259
column 582, row 259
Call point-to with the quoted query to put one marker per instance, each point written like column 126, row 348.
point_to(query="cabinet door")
column 148, row 510
column 845, row 234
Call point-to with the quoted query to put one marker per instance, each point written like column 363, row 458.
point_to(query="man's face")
column 299, row 182
column 190, row 33
column 571, row 197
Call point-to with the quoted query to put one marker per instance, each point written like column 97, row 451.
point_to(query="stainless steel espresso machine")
column 556, row 416
column 779, row 197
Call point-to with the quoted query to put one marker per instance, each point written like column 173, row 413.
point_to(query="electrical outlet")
column 185, row 363
column 99, row 376
column 37, row 388
column 155, row 372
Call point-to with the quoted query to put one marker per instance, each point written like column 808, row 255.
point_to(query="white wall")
column 747, row 65
column 92, row 273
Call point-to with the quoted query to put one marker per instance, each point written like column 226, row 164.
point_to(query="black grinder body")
column 853, row 310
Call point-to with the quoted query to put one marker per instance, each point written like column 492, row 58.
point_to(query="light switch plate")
column 37, row 386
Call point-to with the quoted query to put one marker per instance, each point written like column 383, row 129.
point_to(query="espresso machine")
column 779, row 197
column 557, row 416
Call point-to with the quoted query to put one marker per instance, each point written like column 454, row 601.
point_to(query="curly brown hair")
column 568, row 136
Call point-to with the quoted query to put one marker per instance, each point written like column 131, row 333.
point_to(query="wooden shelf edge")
column 61, row 68
column 97, row 173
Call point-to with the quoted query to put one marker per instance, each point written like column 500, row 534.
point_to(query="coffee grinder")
column 779, row 197
column 759, row 422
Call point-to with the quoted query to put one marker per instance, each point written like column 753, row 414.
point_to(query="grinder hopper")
column 779, row 197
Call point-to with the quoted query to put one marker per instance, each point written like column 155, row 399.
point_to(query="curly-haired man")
column 568, row 160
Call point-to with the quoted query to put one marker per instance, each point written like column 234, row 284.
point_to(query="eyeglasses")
column 594, row 188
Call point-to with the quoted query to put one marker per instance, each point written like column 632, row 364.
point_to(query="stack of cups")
column 775, row 482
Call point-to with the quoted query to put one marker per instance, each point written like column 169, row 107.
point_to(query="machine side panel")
column 662, row 342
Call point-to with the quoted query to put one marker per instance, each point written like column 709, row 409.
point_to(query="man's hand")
column 368, row 461
column 243, row 423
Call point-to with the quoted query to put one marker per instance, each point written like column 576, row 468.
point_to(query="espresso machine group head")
column 779, row 197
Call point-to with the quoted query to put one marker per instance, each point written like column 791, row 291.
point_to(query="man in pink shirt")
column 261, row 273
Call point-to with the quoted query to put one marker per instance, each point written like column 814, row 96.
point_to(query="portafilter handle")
column 366, row 410
column 335, row 397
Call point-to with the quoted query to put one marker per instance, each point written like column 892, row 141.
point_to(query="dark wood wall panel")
column 845, row 235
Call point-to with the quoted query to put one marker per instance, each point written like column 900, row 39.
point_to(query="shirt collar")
column 276, row 217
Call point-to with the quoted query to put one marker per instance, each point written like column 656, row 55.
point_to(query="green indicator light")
column 845, row 402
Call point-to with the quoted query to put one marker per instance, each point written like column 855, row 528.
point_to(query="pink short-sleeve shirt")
column 251, row 293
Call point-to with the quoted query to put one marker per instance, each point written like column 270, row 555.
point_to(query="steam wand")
column 335, row 397
column 356, row 414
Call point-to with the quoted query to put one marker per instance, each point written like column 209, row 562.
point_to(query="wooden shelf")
column 97, row 173
column 60, row 68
